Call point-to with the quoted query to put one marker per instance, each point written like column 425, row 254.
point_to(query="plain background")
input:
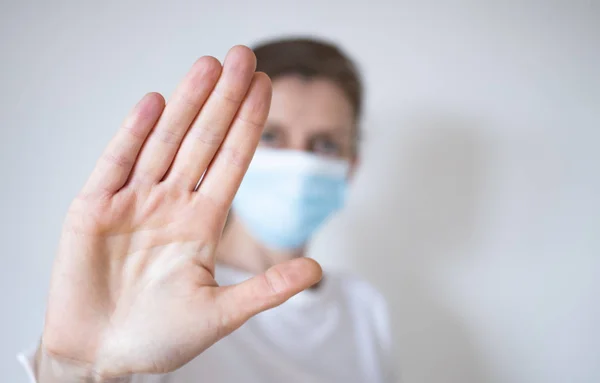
column 476, row 210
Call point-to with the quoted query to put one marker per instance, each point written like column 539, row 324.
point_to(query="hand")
column 133, row 288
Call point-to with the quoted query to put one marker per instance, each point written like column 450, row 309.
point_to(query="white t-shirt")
column 337, row 332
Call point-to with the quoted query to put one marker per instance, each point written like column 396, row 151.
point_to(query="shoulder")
column 357, row 289
column 369, row 312
column 363, row 298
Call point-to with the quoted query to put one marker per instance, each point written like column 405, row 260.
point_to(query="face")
column 310, row 115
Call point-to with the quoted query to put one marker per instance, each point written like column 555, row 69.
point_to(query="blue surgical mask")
column 287, row 195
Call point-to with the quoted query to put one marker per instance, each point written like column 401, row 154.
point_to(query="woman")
column 135, row 295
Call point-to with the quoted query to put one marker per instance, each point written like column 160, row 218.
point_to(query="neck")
column 239, row 249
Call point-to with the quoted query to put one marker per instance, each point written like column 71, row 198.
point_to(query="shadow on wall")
column 413, row 214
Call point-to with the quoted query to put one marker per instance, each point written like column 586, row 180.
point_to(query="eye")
column 271, row 138
column 326, row 145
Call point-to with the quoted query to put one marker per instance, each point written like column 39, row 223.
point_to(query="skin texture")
column 132, row 288
column 311, row 115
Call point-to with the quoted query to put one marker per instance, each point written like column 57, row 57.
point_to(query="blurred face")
column 289, row 192
column 310, row 115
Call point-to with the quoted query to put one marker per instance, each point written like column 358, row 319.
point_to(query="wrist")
column 53, row 369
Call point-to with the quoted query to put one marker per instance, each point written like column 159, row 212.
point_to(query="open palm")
column 133, row 288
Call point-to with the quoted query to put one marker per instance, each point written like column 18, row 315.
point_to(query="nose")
column 298, row 143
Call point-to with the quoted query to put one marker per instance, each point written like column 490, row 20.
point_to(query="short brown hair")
column 311, row 58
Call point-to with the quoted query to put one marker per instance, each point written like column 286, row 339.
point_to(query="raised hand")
column 133, row 288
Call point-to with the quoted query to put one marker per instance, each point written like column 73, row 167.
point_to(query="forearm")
column 51, row 369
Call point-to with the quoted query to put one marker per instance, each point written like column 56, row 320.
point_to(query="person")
column 157, row 280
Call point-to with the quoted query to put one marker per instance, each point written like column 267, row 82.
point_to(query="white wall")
column 477, row 207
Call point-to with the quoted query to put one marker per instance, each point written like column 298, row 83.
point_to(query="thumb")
column 240, row 302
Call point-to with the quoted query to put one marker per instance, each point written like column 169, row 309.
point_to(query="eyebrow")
column 334, row 130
